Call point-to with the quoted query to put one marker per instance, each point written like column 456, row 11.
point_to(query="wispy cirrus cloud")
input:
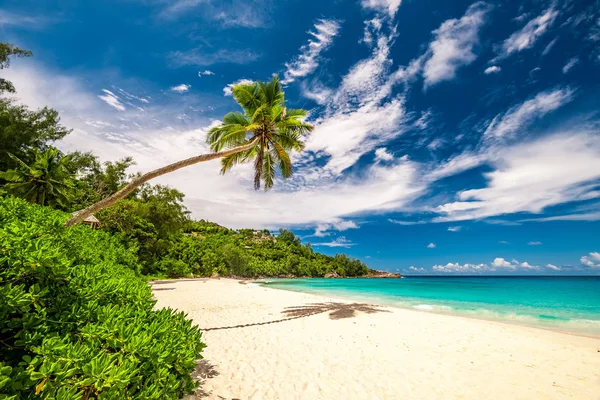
column 518, row 117
column 203, row 57
column 325, row 30
column 570, row 64
column 25, row 21
column 112, row 100
column 337, row 242
column 454, row 45
column 234, row 13
column 388, row 7
column 530, row 176
column 526, row 37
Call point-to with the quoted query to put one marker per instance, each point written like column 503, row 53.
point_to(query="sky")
column 450, row 137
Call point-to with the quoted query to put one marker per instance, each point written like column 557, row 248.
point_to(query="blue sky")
column 451, row 137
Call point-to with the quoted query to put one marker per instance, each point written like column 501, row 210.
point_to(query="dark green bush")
column 76, row 319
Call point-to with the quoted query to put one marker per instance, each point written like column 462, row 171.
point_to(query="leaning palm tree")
column 47, row 181
column 264, row 132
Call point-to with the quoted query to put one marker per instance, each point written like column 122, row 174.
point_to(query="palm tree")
column 264, row 132
column 47, row 181
column 265, row 119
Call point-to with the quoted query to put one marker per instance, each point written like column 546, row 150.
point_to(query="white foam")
column 424, row 307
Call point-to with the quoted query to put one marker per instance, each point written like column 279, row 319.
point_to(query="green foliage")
column 22, row 130
column 7, row 51
column 151, row 222
column 266, row 120
column 76, row 321
column 95, row 180
column 46, row 181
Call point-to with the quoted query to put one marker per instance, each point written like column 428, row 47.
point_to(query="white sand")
column 400, row 354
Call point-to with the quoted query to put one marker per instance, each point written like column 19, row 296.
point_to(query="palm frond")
column 262, row 114
column 247, row 96
column 236, row 158
column 236, row 118
column 290, row 140
column 268, row 170
column 271, row 92
column 228, row 135
column 295, row 113
column 18, row 161
column 258, row 165
column 283, row 159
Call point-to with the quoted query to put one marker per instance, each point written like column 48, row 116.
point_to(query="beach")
column 276, row 344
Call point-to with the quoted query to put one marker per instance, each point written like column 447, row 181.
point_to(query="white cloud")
column 228, row 90
column 532, row 243
column 381, row 154
column 454, row 45
column 553, row 267
column 345, row 137
column 494, row 69
column 414, row 269
column 454, row 228
column 317, row 92
column 206, row 72
column 306, row 63
column 570, row 64
column 531, row 176
column 390, row 7
column 431, row 246
column 590, row 216
column 498, row 265
column 592, row 260
column 183, row 88
column 337, row 242
column 549, row 47
column 112, row 100
column 503, row 242
column 529, row 34
column 460, row 268
column 338, row 225
column 518, row 117
column 501, row 262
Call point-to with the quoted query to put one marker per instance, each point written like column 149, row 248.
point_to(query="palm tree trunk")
column 80, row 215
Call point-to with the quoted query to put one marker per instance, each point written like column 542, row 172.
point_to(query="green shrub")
column 77, row 320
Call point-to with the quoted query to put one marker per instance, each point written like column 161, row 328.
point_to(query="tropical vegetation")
column 77, row 319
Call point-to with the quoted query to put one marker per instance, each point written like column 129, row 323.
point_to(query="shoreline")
column 283, row 344
column 383, row 303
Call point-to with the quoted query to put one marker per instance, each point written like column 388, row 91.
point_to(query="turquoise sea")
column 562, row 303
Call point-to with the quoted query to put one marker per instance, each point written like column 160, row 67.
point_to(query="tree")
column 46, row 181
column 22, row 130
column 265, row 119
column 6, row 51
column 264, row 132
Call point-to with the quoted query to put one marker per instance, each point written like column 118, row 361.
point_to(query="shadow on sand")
column 203, row 371
column 335, row 310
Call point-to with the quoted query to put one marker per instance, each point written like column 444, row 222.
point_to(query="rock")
column 215, row 275
column 332, row 275
column 382, row 274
